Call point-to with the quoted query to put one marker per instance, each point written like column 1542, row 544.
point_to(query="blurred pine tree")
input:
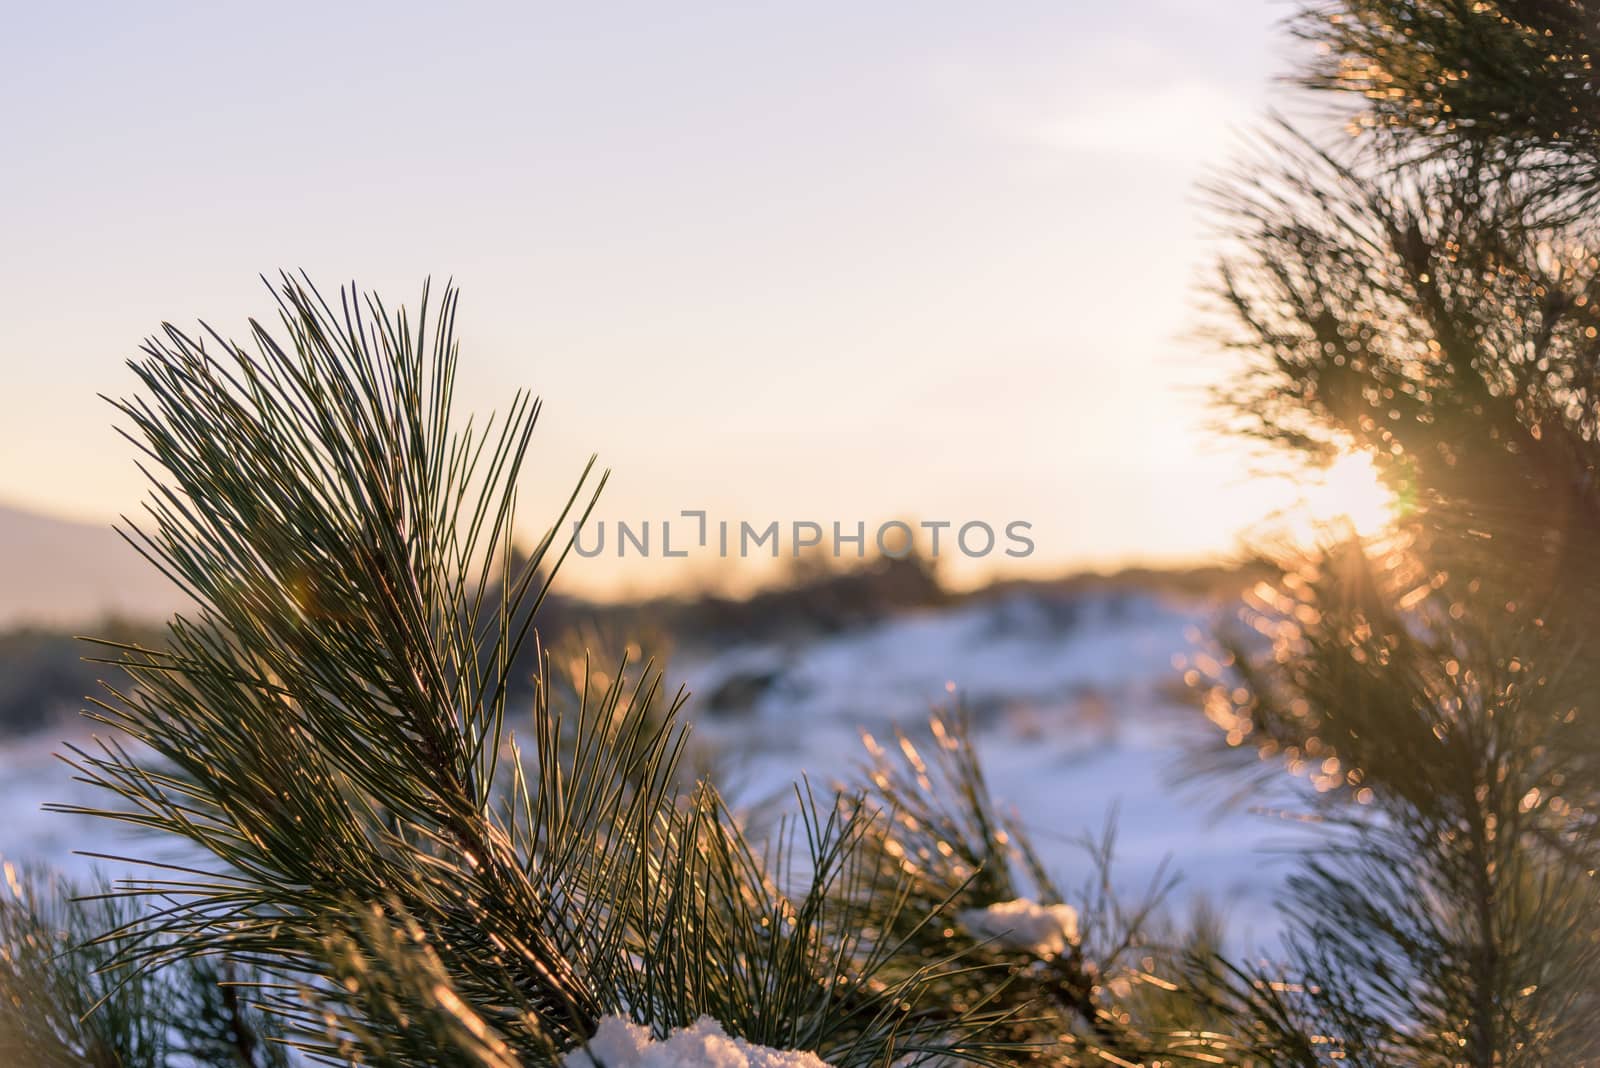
column 1426, row 293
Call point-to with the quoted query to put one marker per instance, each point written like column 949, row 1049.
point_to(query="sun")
column 1349, row 494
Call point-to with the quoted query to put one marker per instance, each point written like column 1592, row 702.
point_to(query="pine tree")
column 1426, row 293
column 65, row 1006
column 404, row 884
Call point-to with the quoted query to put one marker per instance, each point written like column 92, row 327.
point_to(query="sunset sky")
column 810, row 261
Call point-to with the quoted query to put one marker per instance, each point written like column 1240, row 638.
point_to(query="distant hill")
column 57, row 572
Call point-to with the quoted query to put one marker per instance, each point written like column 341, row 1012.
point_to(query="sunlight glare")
column 1349, row 492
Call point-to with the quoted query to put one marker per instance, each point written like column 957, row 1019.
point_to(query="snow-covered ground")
column 1074, row 702
column 1078, row 717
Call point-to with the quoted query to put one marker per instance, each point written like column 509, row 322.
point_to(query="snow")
column 619, row 1043
column 1075, row 709
column 1043, row 930
column 79, row 847
column 1078, row 716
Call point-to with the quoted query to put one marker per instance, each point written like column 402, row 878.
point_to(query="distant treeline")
column 45, row 680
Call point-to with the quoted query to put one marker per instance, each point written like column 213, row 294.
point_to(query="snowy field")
column 1077, row 717
column 1073, row 700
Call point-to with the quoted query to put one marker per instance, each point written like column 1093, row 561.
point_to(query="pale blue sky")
column 815, row 261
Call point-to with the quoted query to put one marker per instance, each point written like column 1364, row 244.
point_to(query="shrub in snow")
column 1043, row 930
column 620, row 1043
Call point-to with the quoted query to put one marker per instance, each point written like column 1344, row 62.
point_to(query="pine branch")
column 330, row 729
